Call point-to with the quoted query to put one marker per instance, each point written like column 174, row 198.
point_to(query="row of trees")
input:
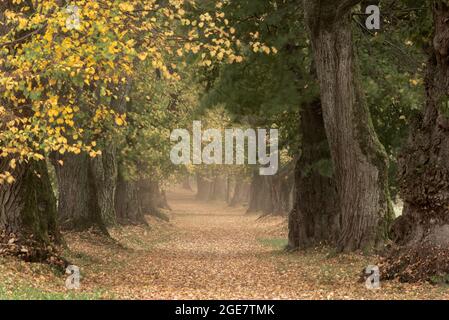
column 87, row 106
column 98, row 101
column 345, row 99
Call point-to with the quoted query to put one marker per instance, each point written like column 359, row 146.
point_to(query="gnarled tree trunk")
column 422, row 232
column 359, row 160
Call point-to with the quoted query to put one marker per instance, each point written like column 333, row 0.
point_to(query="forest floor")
column 206, row 251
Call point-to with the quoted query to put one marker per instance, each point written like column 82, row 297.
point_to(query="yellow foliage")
column 60, row 79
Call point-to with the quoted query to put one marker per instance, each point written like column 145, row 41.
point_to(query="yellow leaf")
column 119, row 121
column 10, row 179
column 12, row 163
column 143, row 55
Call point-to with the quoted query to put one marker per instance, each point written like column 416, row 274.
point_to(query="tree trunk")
column 204, row 187
column 218, row 189
column 86, row 190
column 265, row 195
column 151, row 199
column 287, row 189
column 240, row 194
column 257, row 193
column 28, row 206
column 127, row 204
column 359, row 160
column 314, row 219
column 422, row 232
column 75, row 204
column 104, row 174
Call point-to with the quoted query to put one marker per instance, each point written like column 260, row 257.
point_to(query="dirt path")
column 214, row 251
column 207, row 251
column 211, row 251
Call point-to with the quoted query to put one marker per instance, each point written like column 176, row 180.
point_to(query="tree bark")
column 104, row 174
column 127, row 204
column 75, row 204
column 266, row 195
column 422, row 232
column 28, row 205
column 359, row 160
column 315, row 218
column 257, row 194
column 86, row 190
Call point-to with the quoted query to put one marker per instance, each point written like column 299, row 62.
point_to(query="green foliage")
column 156, row 107
column 392, row 63
column 267, row 90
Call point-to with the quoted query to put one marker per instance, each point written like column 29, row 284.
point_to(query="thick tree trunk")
column 359, row 160
column 127, row 204
column 86, row 190
column 28, row 208
column 314, row 219
column 266, row 195
column 75, row 204
column 422, row 232
column 104, row 174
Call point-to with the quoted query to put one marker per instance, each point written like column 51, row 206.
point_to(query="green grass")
column 30, row 293
column 275, row 243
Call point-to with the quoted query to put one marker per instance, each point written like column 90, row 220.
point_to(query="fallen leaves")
column 211, row 251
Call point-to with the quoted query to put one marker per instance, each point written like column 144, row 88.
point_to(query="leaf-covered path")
column 206, row 251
